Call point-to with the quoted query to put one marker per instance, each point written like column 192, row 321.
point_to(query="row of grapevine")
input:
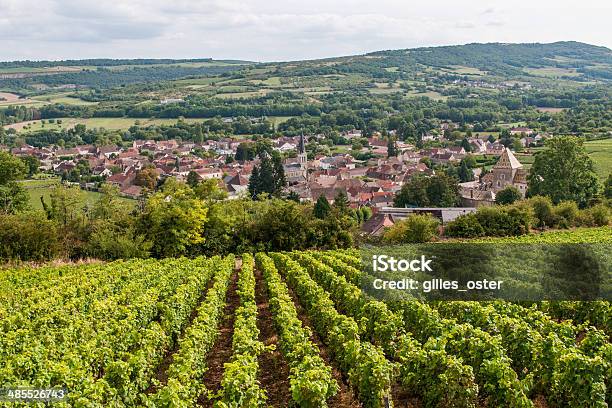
column 483, row 352
column 240, row 386
column 104, row 345
column 61, row 329
column 540, row 355
column 310, row 378
column 368, row 371
column 437, row 377
column 188, row 366
column 139, row 342
column 537, row 344
column 596, row 313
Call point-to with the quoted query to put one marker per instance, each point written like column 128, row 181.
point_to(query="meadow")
column 44, row 187
column 601, row 152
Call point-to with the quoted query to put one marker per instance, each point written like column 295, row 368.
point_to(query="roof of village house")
column 377, row 224
column 132, row 190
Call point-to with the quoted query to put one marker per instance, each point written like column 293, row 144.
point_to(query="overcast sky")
column 273, row 30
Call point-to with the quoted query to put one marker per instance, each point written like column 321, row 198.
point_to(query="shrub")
column 110, row 242
column 28, row 237
column 600, row 214
column 414, row 229
column 503, row 221
column 465, row 226
column 542, row 211
column 565, row 214
column 508, row 195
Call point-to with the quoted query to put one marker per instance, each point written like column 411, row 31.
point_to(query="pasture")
column 601, row 153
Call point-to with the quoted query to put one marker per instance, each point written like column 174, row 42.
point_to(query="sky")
column 282, row 30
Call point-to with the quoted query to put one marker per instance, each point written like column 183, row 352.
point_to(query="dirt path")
column 222, row 350
column 345, row 398
column 273, row 368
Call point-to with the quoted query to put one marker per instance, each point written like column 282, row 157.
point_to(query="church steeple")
column 302, row 145
column 303, row 156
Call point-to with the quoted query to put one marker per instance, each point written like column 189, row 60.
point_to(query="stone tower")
column 302, row 156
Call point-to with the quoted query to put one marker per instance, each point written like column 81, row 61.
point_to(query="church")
column 508, row 171
column 296, row 170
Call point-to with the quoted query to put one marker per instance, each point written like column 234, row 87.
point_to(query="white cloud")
column 281, row 29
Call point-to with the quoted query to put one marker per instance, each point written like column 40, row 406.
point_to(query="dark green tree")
column 421, row 191
column 245, row 152
column 193, row 179
column 564, row 171
column 466, row 145
column 268, row 177
column 608, row 187
column 465, row 173
column 392, row 147
column 321, row 208
column 32, row 164
column 341, row 203
column 508, row 195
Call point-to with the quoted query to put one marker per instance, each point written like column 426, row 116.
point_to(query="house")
column 377, row 224
column 478, row 145
column 209, row 173
column 445, row 214
column 521, row 130
column 475, row 197
column 108, row 151
column 236, row 185
column 457, row 151
column 131, row 191
column 443, row 158
column 121, row 180
column 495, row 148
column 287, row 147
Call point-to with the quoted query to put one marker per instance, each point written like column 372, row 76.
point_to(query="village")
column 137, row 168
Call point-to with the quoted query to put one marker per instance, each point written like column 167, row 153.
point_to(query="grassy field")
column 601, row 152
column 596, row 235
column 8, row 99
column 552, row 72
column 63, row 98
column 44, row 187
column 107, row 123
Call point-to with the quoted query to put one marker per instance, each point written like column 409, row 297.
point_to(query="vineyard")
column 288, row 329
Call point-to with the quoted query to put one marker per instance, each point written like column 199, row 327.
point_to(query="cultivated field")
column 288, row 329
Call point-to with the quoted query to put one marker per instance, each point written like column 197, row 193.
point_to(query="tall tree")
column 341, row 202
column 193, row 179
column 268, row 177
column 465, row 173
column 508, row 195
column 466, row 145
column 11, row 168
column 321, row 207
column 13, row 197
column 608, row 187
column 392, row 147
column 564, row 171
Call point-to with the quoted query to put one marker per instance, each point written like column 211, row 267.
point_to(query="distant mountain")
column 512, row 58
column 493, row 63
